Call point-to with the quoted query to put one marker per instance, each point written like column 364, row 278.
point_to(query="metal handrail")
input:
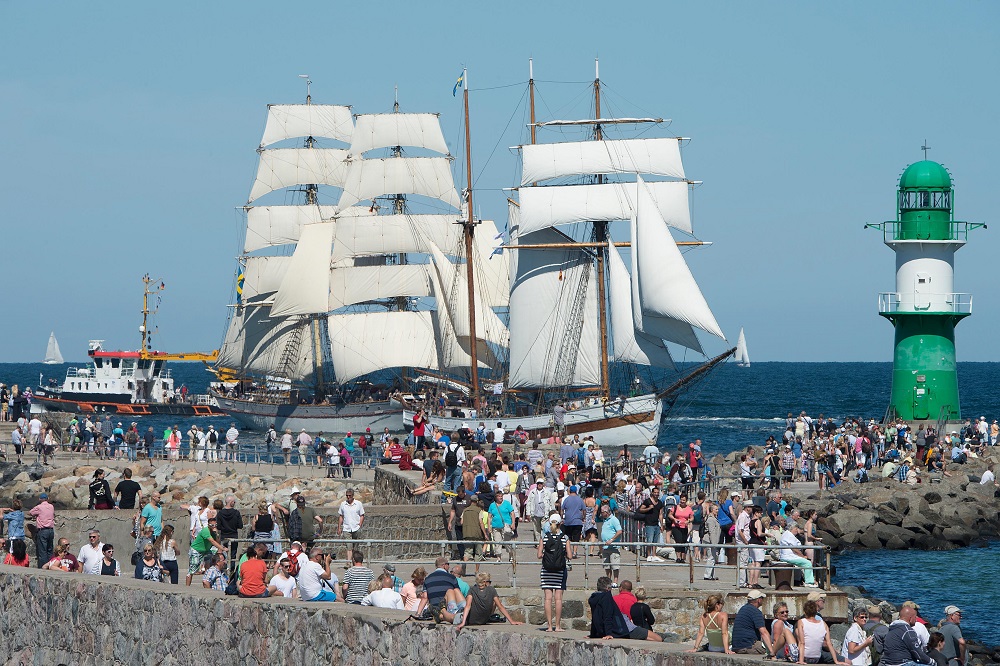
column 512, row 548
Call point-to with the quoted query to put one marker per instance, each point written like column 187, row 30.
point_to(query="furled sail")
column 568, row 204
column 542, row 299
column 320, row 121
column 305, row 289
column 358, row 284
column 663, row 282
column 660, row 157
column 628, row 344
column 287, row 167
column 391, row 234
column 426, row 176
column 387, row 130
column 268, row 226
column 372, row 341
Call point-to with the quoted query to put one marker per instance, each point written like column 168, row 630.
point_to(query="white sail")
column 357, row 284
column 305, row 288
column 391, row 234
column 320, row 121
column 628, row 344
column 666, row 287
column 543, row 293
column 742, row 356
column 52, row 353
column 287, row 167
column 660, row 157
column 386, row 130
column 543, row 207
column 372, row 341
column 454, row 288
column 268, row 226
column 426, row 176
column 454, row 349
column 255, row 341
column 492, row 267
column 262, row 276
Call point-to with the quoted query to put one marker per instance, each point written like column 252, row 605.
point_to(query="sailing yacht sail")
column 742, row 356
column 52, row 354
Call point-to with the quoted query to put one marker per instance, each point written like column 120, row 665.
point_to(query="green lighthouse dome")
column 925, row 175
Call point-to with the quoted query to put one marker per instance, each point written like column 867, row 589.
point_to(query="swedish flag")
column 458, row 84
column 239, row 287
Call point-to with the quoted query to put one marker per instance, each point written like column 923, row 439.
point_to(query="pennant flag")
column 458, row 84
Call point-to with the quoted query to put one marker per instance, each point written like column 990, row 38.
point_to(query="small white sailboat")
column 742, row 357
column 52, row 354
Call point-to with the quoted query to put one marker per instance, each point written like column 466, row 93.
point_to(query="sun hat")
column 555, row 518
column 560, row 486
column 816, row 596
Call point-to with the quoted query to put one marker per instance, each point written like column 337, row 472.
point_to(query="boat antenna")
column 395, row 99
column 308, row 84
column 925, row 148
column 146, row 344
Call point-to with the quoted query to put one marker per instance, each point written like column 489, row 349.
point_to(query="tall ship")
column 587, row 336
column 129, row 382
column 350, row 288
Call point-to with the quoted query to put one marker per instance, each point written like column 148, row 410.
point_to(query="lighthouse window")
column 925, row 199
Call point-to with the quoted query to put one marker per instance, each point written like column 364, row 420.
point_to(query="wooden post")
column 601, row 229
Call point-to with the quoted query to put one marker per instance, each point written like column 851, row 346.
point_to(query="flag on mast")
column 458, row 84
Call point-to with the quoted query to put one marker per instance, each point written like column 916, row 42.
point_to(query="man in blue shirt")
column 611, row 532
column 749, row 627
column 444, row 599
column 573, row 510
column 502, row 520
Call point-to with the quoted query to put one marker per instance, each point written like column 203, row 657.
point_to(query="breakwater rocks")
column 884, row 513
column 68, row 486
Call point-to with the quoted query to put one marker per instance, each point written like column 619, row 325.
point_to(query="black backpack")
column 212, row 437
column 451, row 457
column 554, row 554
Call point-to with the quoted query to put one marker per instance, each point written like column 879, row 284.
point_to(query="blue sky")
column 128, row 136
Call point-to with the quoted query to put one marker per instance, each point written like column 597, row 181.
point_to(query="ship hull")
column 115, row 404
column 634, row 421
column 313, row 418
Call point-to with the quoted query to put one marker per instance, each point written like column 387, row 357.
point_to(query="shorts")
column 757, row 554
column 194, row 561
column 573, row 532
column 612, row 558
column 639, row 634
column 325, row 595
column 473, row 547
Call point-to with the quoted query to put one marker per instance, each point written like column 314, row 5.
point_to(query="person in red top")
column 253, row 575
column 625, row 599
column 419, row 423
column 18, row 555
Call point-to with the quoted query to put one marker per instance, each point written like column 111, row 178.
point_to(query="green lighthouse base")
column 924, row 373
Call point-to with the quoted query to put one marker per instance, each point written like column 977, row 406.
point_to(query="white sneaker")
column 652, row 558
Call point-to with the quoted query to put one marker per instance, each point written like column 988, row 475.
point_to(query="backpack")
column 293, row 563
column 451, row 457
column 212, row 436
column 132, row 437
column 554, row 554
column 581, row 459
column 699, row 514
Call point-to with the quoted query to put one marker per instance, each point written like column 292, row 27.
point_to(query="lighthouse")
column 925, row 308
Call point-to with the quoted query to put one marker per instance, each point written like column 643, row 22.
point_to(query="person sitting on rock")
column 482, row 602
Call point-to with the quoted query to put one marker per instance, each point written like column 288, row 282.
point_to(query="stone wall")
column 391, row 487
column 51, row 618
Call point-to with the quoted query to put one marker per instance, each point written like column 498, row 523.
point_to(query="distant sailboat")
column 52, row 354
column 742, row 357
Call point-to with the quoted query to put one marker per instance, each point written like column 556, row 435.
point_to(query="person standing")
column 573, row 511
column 232, row 442
column 540, row 505
column 350, row 520
column 44, row 515
column 554, row 552
column 502, row 522
column 202, row 544
column 230, row 522
column 303, row 522
column 455, row 517
column 127, row 491
column 953, row 647
column 100, row 492
column 742, row 535
column 91, row 554
column 454, row 457
column 611, row 532
column 419, row 429
column 152, row 515
column 713, row 536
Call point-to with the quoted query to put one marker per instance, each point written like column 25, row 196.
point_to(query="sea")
column 735, row 407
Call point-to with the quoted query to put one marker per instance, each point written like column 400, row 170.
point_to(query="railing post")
column 690, row 561
column 737, row 565
column 826, row 583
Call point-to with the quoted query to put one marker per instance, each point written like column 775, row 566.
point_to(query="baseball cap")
column 391, row 568
column 874, row 610
column 755, row 594
column 816, row 596
column 560, row 486
column 43, row 496
column 295, row 489
column 539, row 480
column 555, row 518
column 573, row 489
column 948, row 610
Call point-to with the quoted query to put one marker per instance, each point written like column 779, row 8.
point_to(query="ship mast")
column 469, row 228
column 601, row 237
column 312, row 192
